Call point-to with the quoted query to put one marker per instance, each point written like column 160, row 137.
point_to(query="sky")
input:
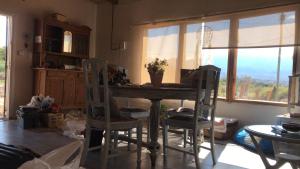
column 2, row 30
column 259, row 63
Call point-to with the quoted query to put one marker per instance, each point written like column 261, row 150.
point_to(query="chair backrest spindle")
column 207, row 91
column 97, row 89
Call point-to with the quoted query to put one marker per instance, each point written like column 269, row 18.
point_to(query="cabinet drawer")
column 61, row 74
column 56, row 74
column 80, row 75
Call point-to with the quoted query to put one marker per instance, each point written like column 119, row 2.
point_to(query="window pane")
column 219, row 58
column 198, row 39
column 257, row 71
column 162, row 43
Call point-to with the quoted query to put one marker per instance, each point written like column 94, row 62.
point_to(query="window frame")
column 233, row 40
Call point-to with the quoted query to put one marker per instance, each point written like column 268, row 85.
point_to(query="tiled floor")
column 229, row 156
column 40, row 141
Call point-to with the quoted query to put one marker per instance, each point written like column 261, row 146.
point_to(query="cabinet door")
column 80, row 92
column 69, row 91
column 55, row 88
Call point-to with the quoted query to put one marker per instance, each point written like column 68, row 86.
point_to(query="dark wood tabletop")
column 175, row 91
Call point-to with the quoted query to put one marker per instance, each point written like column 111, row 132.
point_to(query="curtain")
column 202, row 36
column 272, row 30
column 162, row 43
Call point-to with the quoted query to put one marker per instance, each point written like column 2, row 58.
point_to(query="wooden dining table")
column 155, row 95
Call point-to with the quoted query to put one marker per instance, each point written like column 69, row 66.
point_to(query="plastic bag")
column 47, row 103
column 36, row 101
column 41, row 102
column 74, row 125
column 57, row 158
column 74, row 128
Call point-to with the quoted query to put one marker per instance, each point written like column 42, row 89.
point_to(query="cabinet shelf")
column 53, row 39
column 66, row 55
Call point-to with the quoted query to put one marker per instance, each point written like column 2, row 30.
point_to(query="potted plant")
column 156, row 70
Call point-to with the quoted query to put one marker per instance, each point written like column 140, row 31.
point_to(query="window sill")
column 255, row 102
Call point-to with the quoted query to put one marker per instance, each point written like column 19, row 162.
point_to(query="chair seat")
column 186, row 121
column 186, row 114
column 184, row 117
column 135, row 113
column 116, row 123
column 181, row 111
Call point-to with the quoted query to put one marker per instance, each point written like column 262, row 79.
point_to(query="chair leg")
column 165, row 140
column 129, row 140
column 116, row 135
column 86, row 145
column 139, row 144
column 294, row 165
column 195, row 148
column 191, row 138
column 148, row 130
column 212, row 145
column 105, row 150
column 185, row 137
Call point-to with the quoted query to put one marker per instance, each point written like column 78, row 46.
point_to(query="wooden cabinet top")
column 57, row 70
column 60, row 43
column 67, row 26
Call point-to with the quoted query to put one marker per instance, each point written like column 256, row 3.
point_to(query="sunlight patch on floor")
column 203, row 152
column 237, row 156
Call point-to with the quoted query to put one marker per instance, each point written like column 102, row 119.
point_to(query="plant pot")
column 156, row 78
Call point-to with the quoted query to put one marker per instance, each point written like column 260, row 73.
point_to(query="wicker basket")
column 53, row 120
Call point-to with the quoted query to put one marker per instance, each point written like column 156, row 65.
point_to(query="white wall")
column 246, row 113
column 145, row 11
column 23, row 13
column 250, row 113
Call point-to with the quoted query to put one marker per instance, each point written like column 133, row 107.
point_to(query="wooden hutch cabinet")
column 59, row 48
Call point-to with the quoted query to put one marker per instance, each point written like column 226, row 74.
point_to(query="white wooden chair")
column 98, row 109
column 205, row 105
column 136, row 113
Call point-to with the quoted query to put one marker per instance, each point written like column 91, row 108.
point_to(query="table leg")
column 278, row 164
column 154, row 130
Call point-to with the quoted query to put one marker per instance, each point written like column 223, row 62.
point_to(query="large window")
column 255, row 51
